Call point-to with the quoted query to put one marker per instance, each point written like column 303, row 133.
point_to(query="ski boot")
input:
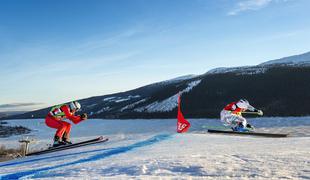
column 250, row 127
column 65, row 139
column 240, row 128
column 58, row 142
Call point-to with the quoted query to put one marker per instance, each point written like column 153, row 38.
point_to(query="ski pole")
column 252, row 113
column 249, row 112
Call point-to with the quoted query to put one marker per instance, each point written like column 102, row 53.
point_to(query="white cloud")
column 20, row 107
column 248, row 5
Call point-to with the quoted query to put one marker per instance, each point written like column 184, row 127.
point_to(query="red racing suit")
column 54, row 119
column 233, row 108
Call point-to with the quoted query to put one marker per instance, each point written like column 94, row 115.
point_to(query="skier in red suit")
column 55, row 119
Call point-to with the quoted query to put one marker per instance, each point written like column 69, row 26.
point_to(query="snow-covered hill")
column 150, row 149
column 205, row 95
column 159, row 97
column 242, row 70
column 297, row 60
column 302, row 59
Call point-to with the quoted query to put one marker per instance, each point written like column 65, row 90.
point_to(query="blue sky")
column 55, row 51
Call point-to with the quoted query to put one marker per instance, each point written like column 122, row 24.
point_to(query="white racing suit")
column 231, row 115
column 232, row 120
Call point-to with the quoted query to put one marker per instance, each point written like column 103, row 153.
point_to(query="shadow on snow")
column 105, row 154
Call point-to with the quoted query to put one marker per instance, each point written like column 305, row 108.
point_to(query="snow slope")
column 168, row 104
column 149, row 149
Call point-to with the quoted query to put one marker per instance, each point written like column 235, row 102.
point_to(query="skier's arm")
column 259, row 112
column 252, row 109
column 71, row 116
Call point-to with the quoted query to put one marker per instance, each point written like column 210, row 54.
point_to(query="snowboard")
column 100, row 139
column 249, row 133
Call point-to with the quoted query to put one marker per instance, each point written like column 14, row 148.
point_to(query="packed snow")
column 150, row 149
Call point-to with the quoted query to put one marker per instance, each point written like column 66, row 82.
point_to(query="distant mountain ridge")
column 297, row 60
column 10, row 113
column 302, row 59
column 280, row 88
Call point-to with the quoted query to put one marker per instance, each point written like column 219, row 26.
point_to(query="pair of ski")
column 100, row 139
column 248, row 133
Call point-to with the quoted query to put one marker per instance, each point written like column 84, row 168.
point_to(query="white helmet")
column 244, row 104
column 74, row 105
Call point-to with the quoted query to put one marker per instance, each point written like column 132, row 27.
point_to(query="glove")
column 260, row 112
column 83, row 116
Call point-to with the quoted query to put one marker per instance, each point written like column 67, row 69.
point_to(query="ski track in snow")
column 105, row 153
column 53, row 157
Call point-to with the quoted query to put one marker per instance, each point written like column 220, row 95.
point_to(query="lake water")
column 296, row 126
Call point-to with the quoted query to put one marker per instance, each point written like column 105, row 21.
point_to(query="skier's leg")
column 237, row 122
column 241, row 120
column 52, row 122
column 66, row 134
column 60, row 132
column 242, row 124
column 56, row 124
column 226, row 118
column 222, row 115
